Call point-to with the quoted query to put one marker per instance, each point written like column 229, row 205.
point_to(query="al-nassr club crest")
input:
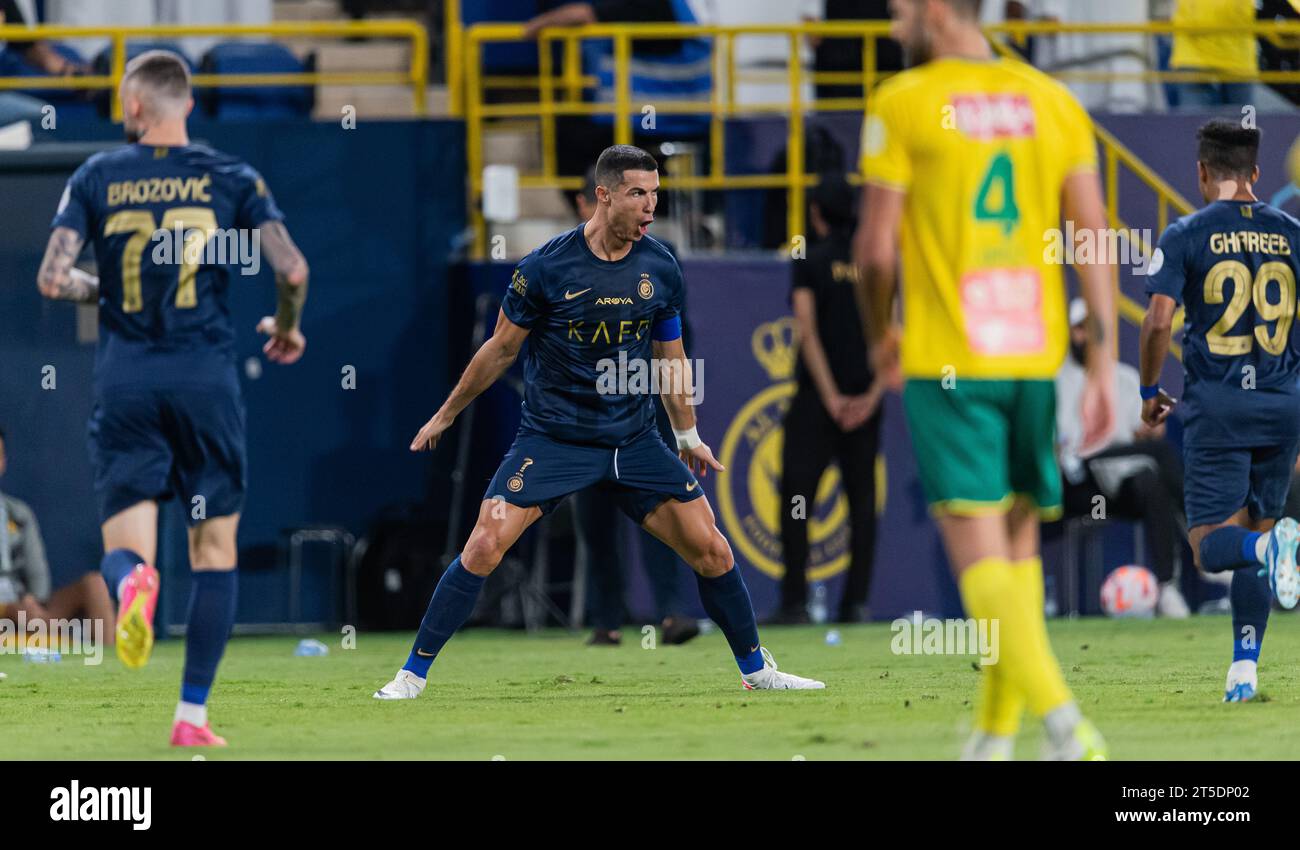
column 749, row 489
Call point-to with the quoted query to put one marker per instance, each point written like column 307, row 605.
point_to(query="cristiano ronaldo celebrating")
column 603, row 292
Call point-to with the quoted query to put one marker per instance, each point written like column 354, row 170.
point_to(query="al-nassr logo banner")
column 744, row 333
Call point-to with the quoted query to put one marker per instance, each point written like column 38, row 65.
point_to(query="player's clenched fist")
column 283, row 347
column 1157, row 408
column 429, row 435
column 699, row 460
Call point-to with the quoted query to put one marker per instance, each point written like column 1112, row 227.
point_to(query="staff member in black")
column 836, row 412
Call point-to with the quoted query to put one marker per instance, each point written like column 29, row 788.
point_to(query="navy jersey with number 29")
column 1233, row 265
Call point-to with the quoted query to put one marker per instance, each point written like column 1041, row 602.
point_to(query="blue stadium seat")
column 255, row 103
column 134, row 49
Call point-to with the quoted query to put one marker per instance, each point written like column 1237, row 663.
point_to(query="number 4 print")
column 998, row 186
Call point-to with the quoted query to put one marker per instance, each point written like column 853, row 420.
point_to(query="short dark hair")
column 1227, row 148
column 162, row 71
column 616, row 159
column 2, row 433
column 834, row 199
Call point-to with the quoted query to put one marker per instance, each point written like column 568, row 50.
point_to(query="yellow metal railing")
column 454, row 56
column 416, row 76
column 560, row 93
column 1114, row 156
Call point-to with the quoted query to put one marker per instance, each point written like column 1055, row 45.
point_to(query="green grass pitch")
column 1153, row 687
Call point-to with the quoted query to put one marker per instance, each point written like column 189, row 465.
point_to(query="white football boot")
column 406, row 685
column 1280, row 559
column 1071, row 736
column 981, row 746
column 1242, row 682
column 772, row 679
column 1171, row 604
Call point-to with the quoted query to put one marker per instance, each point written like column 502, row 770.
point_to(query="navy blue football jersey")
column 163, row 312
column 1233, row 267
column 590, row 321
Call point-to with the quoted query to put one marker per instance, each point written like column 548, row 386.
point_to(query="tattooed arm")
column 286, row 343
column 58, row 280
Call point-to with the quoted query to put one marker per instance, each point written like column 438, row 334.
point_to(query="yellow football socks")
column 994, row 590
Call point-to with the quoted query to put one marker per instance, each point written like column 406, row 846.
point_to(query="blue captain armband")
column 667, row 330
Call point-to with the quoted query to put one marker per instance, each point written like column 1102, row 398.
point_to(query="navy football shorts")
column 150, row 444
column 540, row 471
column 1218, row 482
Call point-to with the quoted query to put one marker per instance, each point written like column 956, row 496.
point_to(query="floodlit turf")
column 1154, row 689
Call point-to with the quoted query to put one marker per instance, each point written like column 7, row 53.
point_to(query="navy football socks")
column 452, row 604
column 211, row 616
column 116, row 566
column 1229, row 548
column 1251, row 600
column 726, row 600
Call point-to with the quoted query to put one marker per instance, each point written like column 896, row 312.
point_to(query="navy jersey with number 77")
column 163, row 312
column 1233, row 266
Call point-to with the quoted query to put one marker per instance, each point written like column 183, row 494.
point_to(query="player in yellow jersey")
column 972, row 160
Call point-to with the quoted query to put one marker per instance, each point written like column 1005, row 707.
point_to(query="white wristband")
column 688, row 439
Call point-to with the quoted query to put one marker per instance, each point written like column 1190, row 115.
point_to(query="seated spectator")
column 25, row 574
column 664, row 69
column 16, row 106
column 1136, row 471
column 1230, row 54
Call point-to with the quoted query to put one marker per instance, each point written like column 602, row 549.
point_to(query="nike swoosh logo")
column 569, row 296
column 753, row 649
column 692, row 486
column 423, row 654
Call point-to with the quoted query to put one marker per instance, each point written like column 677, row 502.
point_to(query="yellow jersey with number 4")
column 981, row 149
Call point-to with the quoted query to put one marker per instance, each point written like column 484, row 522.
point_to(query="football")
column 1129, row 591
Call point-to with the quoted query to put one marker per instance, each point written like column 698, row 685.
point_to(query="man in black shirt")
column 835, row 414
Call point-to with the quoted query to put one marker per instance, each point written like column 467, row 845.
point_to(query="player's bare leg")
column 213, row 595
column 988, row 553
column 692, row 532
column 87, row 597
column 135, row 528
column 130, row 544
column 500, row 524
column 1261, row 557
